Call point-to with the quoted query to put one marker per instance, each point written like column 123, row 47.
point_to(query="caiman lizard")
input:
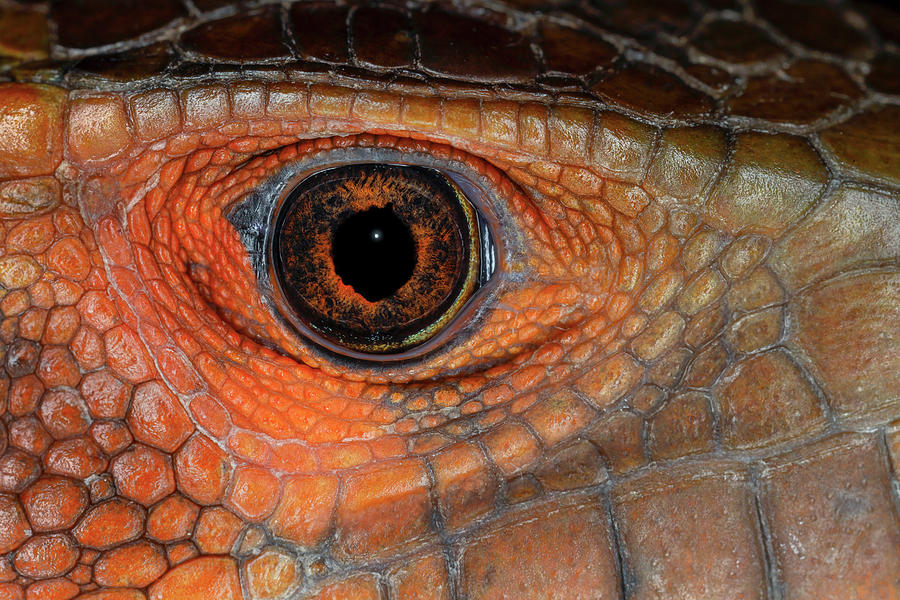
column 636, row 334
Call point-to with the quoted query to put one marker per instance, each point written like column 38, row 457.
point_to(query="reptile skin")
column 683, row 381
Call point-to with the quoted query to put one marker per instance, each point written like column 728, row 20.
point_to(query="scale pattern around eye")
column 375, row 258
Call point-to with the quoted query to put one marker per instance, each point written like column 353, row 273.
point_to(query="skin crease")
column 681, row 382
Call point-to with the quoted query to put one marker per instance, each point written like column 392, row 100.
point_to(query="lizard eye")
column 369, row 254
column 374, row 258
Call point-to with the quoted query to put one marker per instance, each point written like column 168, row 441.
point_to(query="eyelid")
column 215, row 253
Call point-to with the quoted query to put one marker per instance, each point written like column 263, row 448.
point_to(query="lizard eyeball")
column 375, row 258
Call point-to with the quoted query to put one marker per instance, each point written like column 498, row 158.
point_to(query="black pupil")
column 374, row 252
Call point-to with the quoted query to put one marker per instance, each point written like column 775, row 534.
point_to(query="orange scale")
column 142, row 168
column 247, row 145
column 302, row 419
column 32, row 323
column 491, row 417
column 110, row 436
column 294, row 457
column 618, row 306
column 447, row 397
column 356, row 411
column 241, row 377
column 305, row 513
column 138, row 224
column 550, row 354
column 162, row 228
column 197, row 160
column 113, row 241
column 210, row 338
column 459, row 362
column 485, row 350
column 184, row 339
column 217, row 530
column 328, row 405
column 365, row 431
column 144, row 309
column 265, row 130
column 207, row 223
column 471, row 407
column 594, row 327
column 270, row 422
column 254, row 493
column 429, row 421
column 237, row 397
column 57, row 589
column 337, row 386
column 210, row 415
column 288, row 153
column 264, row 369
column 87, row 348
column 385, row 414
column 270, row 143
column 165, row 303
column 343, row 456
column 374, row 392
column 172, row 519
column 528, row 377
column 418, row 403
column 222, row 156
column 328, row 430
column 41, row 293
column 147, row 264
column 98, row 309
column 401, row 490
column 277, row 401
column 497, row 394
column 126, row 281
column 156, row 417
column 214, row 139
column 201, row 470
column 429, row 443
column 407, row 425
column 198, row 233
column 288, row 136
column 152, row 335
column 309, row 394
column 250, row 447
column 388, row 446
column 126, row 355
column 471, row 383
column 181, row 552
column 7, row 572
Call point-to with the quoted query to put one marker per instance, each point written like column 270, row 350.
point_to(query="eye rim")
column 253, row 217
